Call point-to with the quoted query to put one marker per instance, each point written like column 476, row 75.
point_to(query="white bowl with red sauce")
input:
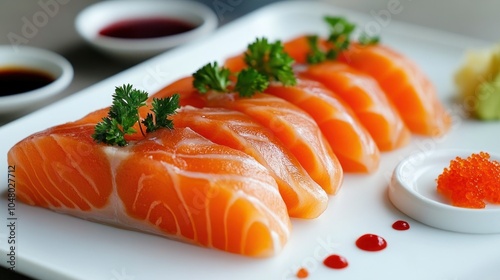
column 413, row 190
column 31, row 78
column 136, row 30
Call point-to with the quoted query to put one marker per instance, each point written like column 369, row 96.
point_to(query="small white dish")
column 413, row 191
column 94, row 18
column 37, row 59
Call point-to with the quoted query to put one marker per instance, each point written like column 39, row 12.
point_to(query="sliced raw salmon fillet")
column 235, row 63
column 304, row 197
column 184, row 87
column 62, row 168
column 297, row 48
column 176, row 183
column 367, row 100
column 196, row 190
column 294, row 128
column 406, row 85
column 352, row 144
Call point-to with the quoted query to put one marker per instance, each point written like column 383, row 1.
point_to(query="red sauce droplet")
column 302, row 273
column 401, row 225
column 371, row 242
column 19, row 80
column 335, row 262
column 146, row 28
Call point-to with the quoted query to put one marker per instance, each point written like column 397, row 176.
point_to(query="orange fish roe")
column 302, row 273
column 471, row 182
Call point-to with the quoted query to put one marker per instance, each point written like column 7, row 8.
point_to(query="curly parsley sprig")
column 340, row 32
column 338, row 40
column 212, row 77
column 270, row 59
column 124, row 114
column 162, row 109
column 317, row 54
column 366, row 40
column 266, row 62
column 250, row 81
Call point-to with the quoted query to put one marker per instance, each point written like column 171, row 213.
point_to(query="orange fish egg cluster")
column 471, row 182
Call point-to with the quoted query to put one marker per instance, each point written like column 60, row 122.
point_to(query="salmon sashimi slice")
column 184, row 87
column 235, row 63
column 62, row 168
column 210, row 194
column 294, row 128
column 304, row 197
column 176, row 184
column 367, row 100
column 299, row 47
column 405, row 84
column 352, row 144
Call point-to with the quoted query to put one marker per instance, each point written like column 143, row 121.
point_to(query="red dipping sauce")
column 335, row 262
column 401, row 225
column 371, row 242
column 145, row 28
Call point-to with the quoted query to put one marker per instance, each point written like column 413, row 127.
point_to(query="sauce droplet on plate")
column 335, row 262
column 302, row 273
column 401, row 225
column 146, row 28
column 371, row 242
column 19, row 80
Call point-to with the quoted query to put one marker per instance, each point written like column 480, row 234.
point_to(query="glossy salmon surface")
column 406, row 85
column 350, row 141
column 367, row 100
column 295, row 129
column 303, row 197
column 174, row 183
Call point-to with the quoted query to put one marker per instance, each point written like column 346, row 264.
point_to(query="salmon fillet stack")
column 250, row 149
column 403, row 83
column 173, row 183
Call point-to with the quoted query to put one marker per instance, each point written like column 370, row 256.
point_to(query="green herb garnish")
column 162, row 109
column 340, row 32
column 271, row 60
column 315, row 55
column 250, row 81
column 211, row 77
column 366, row 40
column 124, row 114
column 339, row 40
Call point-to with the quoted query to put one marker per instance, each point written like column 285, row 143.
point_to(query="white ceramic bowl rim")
column 38, row 59
column 97, row 16
column 413, row 192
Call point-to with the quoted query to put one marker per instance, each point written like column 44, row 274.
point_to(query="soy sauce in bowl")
column 30, row 78
column 16, row 80
column 143, row 28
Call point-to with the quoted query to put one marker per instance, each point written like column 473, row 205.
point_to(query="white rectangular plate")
column 54, row 246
